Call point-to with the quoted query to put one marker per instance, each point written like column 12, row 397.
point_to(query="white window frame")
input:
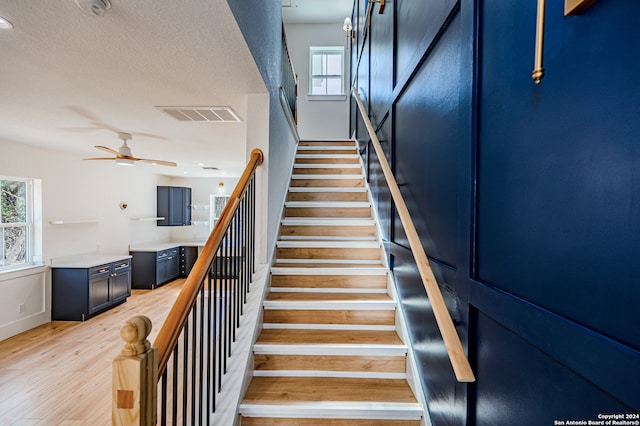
column 324, row 50
column 31, row 207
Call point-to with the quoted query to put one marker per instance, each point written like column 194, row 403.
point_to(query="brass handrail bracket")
column 571, row 7
column 538, row 70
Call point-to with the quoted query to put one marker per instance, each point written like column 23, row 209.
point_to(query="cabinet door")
column 176, row 206
column 163, row 205
column 99, row 288
column 187, row 206
column 161, row 267
column 173, row 264
column 120, row 281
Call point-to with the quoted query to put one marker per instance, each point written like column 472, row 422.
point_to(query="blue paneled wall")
column 526, row 197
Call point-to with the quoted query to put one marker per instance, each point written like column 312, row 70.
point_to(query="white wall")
column 318, row 119
column 73, row 189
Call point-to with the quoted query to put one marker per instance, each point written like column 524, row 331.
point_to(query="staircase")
column 329, row 353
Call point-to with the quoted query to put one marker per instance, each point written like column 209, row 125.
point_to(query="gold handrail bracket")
column 571, row 7
column 538, row 71
column 459, row 361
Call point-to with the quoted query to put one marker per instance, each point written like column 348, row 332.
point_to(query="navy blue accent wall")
column 526, row 198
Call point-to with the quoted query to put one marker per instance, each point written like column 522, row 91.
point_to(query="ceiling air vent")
column 210, row 114
column 210, row 168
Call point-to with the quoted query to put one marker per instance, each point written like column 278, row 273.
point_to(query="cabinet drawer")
column 122, row 265
column 163, row 254
column 97, row 271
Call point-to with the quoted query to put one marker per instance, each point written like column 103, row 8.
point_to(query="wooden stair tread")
column 284, row 390
column 327, row 297
column 386, row 364
column 319, row 337
column 327, row 196
column 329, row 189
column 327, row 142
column 329, row 281
column 324, row 169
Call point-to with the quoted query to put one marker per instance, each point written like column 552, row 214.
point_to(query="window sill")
column 326, row 97
column 35, row 268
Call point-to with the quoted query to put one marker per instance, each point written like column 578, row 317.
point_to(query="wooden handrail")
column 168, row 335
column 459, row 361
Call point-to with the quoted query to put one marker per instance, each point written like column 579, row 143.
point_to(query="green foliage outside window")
column 13, row 222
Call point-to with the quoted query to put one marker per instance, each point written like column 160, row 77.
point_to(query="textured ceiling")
column 69, row 81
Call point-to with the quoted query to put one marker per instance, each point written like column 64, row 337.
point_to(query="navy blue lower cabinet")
column 151, row 269
column 79, row 293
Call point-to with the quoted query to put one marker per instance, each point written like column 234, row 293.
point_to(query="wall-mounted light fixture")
column 348, row 28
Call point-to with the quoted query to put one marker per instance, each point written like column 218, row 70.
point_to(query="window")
column 218, row 203
column 16, row 222
column 326, row 71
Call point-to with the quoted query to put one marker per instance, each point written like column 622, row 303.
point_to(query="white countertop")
column 86, row 260
column 164, row 246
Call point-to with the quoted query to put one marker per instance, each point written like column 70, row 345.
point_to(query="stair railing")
column 457, row 356
column 289, row 79
column 189, row 356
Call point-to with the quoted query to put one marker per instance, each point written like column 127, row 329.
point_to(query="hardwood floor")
column 60, row 373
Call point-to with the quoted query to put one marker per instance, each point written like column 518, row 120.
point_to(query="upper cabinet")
column 174, row 205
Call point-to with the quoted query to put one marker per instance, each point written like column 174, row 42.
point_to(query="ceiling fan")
column 123, row 155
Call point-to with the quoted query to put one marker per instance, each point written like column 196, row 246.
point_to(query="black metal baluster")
column 243, row 232
column 185, row 371
column 253, row 225
column 211, row 318
column 227, row 280
column 194, row 351
column 163, row 409
column 174, row 396
column 238, row 294
column 220, row 336
column 234, row 276
column 201, row 391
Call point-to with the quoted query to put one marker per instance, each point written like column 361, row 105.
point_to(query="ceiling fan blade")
column 105, row 149
column 159, row 162
column 111, row 159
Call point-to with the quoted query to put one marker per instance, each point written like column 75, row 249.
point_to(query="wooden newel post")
column 135, row 376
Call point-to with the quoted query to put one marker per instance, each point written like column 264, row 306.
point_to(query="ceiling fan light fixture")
column 124, row 161
column 94, row 7
column 5, row 24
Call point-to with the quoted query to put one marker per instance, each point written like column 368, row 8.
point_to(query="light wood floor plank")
column 60, row 373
